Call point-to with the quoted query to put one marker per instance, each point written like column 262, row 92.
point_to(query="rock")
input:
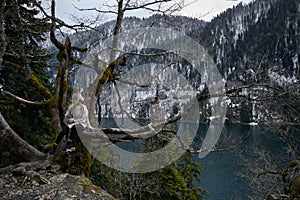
column 278, row 197
column 2, row 183
column 72, row 187
column 27, row 185
column 291, row 177
column 19, row 171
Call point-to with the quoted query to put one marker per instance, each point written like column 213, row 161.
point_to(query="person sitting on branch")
column 77, row 121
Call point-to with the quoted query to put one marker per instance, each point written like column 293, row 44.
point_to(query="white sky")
column 199, row 9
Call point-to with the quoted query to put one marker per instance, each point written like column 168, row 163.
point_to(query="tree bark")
column 13, row 143
column 102, row 78
column 66, row 61
column 61, row 88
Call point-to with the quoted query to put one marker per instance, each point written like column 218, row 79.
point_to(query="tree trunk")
column 102, row 78
column 59, row 100
column 13, row 144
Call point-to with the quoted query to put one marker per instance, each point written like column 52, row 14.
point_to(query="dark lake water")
column 242, row 151
column 230, row 170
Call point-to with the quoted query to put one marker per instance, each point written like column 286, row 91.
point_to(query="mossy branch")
column 34, row 80
column 108, row 74
column 268, row 172
column 3, row 92
column 79, row 49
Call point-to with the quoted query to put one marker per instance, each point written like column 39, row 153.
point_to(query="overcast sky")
column 197, row 9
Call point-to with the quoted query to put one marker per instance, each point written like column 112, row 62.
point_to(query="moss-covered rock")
column 291, row 176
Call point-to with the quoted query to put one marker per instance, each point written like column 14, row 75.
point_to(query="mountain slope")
column 261, row 34
column 253, row 43
column 258, row 43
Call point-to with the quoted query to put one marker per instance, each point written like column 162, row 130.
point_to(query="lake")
column 241, row 153
column 230, row 172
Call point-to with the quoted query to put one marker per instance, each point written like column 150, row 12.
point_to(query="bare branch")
column 268, row 172
column 59, row 21
column 150, row 130
column 3, row 92
column 144, row 6
column 96, row 10
column 79, row 49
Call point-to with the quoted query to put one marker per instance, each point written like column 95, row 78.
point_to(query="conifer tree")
column 24, row 57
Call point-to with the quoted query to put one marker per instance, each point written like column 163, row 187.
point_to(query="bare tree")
column 119, row 9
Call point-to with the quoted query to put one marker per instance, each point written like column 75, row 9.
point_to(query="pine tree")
column 24, row 57
column 2, row 33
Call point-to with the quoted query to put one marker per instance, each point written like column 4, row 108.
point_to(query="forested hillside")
column 43, row 61
column 254, row 44
column 257, row 43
